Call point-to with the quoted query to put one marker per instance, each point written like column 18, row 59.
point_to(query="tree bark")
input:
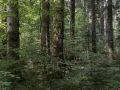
column 3, row 40
column 45, row 35
column 109, row 31
column 93, row 26
column 12, row 30
column 13, row 41
column 102, row 17
column 58, row 30
column 72, row 17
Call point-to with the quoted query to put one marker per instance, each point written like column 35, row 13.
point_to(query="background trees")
column 59, row 44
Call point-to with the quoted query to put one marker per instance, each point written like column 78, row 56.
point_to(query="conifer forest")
column 59, row 44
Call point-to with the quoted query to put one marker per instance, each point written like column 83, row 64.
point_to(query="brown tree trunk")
column 45, row 35
column 58, row 30
column 12, row 30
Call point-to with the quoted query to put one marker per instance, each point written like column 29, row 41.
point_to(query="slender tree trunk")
column 72, row 17
column 109, row 31
column 102, row 17
column 3, row 49
column 86, row 8
column 12, row 30
column 85, row 2
column 3, row 41
column 98, row 14
column 58, row 30
column 93, row 26
column 45, row 35
column 105, row 18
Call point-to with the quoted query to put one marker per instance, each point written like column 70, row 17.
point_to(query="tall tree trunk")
column 72, row 17
column 88, row 11
column 109, row 31
column 58, row 30
column 13, row 41
column 45, row 35
column 13, row 30
column 3, row 41
column 93, row 26
column 105, row 18
column 86, row 7
column 102, row 17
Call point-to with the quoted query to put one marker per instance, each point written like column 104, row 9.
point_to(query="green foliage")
column 82, row 69
column 5, row 75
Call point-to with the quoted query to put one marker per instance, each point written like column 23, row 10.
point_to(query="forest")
column 59, row 44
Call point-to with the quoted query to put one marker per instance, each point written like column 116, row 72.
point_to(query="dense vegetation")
column 59, row 44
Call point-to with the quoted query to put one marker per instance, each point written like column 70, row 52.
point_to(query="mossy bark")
column 58, row 30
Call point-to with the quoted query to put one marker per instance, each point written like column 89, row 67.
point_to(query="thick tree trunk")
column 93, row 26
column 12, row 30
column 58, row 30
column 72, row 17
column 45, row 35
column 13, row 41
column 109, row 31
